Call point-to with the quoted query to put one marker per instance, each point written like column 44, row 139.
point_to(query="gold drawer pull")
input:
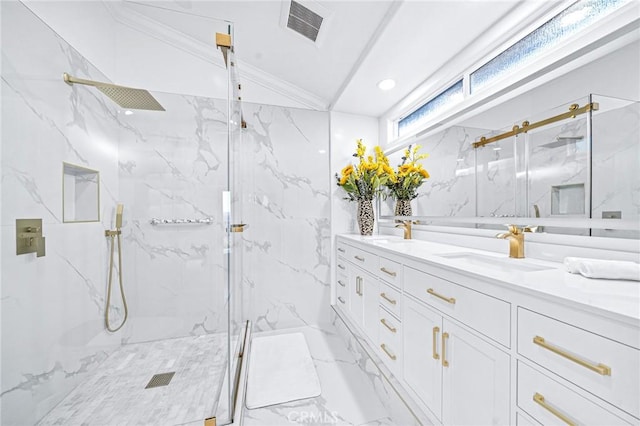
column 341, row 250
column 341, row 283
column 601, row 369
column 385, row 297
column 445, row 336
column 341, row 300
column 451, row 300
column 386, row 271
column 361, row 259
column 384, row 322
column 341, row 266
column 436, row 330
column 539, row 399
column 389, row 354
column 359, row 286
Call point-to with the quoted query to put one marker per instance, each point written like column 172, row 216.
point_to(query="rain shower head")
column 126, row 97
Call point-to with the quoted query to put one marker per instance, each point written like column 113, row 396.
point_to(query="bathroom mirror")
column 572, row 173
column 80, row 194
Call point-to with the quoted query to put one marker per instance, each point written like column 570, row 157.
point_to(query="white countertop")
column 617, row 297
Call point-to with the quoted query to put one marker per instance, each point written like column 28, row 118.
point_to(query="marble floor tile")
column 115, row 393
column 347, row 398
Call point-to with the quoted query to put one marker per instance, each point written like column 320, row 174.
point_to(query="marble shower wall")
column 173, row 165
column 52, row 306
column 287, row 206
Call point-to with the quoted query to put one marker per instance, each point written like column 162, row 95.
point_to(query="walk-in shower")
column 168, row 156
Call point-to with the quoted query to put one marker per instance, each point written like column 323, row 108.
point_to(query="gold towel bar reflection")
column 601, row 369
column 384, row 322
column 389, row 354
column 436, row 330
column 574, row 110
column 539, row 399
column 385, row 297
column 386, row 271
column 451, row 300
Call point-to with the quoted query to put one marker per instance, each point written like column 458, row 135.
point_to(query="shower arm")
column 69, row 79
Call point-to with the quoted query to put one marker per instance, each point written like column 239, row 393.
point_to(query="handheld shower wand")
column 112, row 235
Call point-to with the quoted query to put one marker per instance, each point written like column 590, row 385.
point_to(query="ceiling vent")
column 304, row 21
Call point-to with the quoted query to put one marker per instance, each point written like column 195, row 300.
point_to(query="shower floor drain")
column 160, row 380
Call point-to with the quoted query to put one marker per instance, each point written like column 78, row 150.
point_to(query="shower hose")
column 124, row 300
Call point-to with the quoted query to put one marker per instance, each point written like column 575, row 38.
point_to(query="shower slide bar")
column 205, row 221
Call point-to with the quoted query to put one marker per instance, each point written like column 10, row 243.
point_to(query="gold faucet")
column 516, row 241
column 406, row 227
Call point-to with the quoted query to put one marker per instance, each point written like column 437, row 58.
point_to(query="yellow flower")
column 347, row 170
column 344, row 179
column 361, row 149
column 424, row 173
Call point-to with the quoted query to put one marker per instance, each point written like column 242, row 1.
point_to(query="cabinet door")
column 371, row 290
column 422, row 370
column 356, row 302
column 475, row 384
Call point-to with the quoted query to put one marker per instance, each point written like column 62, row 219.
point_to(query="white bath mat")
column 280, row 370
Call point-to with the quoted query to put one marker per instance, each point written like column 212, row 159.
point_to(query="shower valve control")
column 29, row 237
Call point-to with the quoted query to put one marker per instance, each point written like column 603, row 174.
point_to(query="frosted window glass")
column 447, row 98
column 576, row 17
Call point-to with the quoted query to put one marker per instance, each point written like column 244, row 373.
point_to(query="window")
column 445, row 99
column 576, row 17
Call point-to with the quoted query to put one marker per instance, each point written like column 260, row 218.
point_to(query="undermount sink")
column 497, row 263
column 390, row 241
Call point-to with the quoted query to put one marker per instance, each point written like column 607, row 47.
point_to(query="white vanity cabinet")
column 460, row 377
column 471, row 348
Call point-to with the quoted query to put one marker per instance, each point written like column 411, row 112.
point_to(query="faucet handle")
column 514, row 229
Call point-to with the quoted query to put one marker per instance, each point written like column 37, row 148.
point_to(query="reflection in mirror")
column 80, row 193
column 585, row 166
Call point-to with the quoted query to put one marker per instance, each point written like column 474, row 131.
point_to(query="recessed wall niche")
column 80, row 194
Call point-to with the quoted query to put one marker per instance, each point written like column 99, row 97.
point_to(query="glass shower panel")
column 495, row 169
column 557, row 168
column 616, row 163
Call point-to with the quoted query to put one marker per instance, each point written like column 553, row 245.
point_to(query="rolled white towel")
column 606, row 269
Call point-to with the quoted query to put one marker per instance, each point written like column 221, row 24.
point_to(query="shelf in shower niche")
column 205, row 221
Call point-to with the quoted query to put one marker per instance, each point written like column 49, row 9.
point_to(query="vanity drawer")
column 390, row 271
column 341, row 266
column 341, row 248
column 342, row 292
column 606, row 368
column 486, row 314
column 390, row 342
column 363, row 259
column 547, row 401
column 391, row 299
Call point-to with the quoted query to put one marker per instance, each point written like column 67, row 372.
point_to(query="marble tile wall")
column 52, row 306
column 287, row 246
column 173, row 165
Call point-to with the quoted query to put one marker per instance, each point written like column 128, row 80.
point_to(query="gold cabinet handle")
column 341, row 250
column 539, row 399
column 386, row 271
column 385, row 297
column 451, row 300
column 341, row 266
column 445, row 336
column 361, row 259
column 359, row 286
column 601, row 369
column 384, row 322
column 341, row 300
column 341, row 283
column 386, row 351
column 436, row 330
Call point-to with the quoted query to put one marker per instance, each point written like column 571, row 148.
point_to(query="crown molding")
column 203, row 51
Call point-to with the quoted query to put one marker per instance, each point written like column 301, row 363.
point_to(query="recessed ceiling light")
column 127, row 112
column 387, row 84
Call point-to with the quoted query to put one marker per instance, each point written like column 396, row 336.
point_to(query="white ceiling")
column 365, row 41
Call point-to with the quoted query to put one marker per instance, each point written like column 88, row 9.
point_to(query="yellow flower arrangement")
column 410, row 175
column 368, row 177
